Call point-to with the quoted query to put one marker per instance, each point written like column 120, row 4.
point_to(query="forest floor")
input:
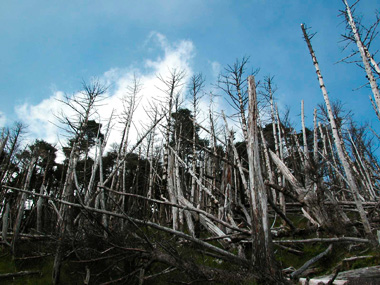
column 35, row 260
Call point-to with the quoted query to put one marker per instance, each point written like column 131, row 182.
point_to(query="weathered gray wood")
column 226, row 254
column 310, row 262
column 5, row 222
column 21, row 206
column 330, row 240
column 262, row 248
column 18, row 274
column 363, row 53
column 4, row 141
column 338, row 141
column 199, row 182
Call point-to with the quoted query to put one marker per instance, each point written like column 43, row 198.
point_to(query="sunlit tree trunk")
column 338, row 141
column 262, row 251
column 363, row 53
column 21, row 206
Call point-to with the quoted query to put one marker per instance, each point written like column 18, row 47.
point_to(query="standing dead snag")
column 83, row 105
column 13, row 139
column 363, row 50
column 233, row 83
column 3, row 140
column 196, row 85
column 338, row 141
column 21, row 206
column 171, row 84
column 262, row 252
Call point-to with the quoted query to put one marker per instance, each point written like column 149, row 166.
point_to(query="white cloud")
column 3, row 119
column 41, row 118
column 178, row 55
column 216, row 68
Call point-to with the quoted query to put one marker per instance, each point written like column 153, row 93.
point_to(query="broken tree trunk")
column 262, row 248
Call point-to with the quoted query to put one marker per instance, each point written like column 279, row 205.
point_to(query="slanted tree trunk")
column 4, row 141
column 339, row 142
column 276, row 143
column 14, row 138
column 280, row 179
column 363, row 53
column 83, row 106
column 21, row 206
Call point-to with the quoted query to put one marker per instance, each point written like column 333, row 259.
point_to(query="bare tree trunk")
column 82, row 105
column 363, row 53
column 281, row 178
column 197, row 82
column 21, row 206
column 14, row 139
column 339, row 142
column 3, row 143
column 40, row 201
column 315, row 138
column 307, row 166
column 172, row 83
column 5, row 218
column 39, row 209
column 276, row 143
column 172, row 194
column 262, row 251
column 180, row 200
column 364, row 171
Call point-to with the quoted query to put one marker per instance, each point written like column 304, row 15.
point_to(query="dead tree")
column 14, row 140
column 4, row 140
column 22, row 200
column 363, row 42
column 171, row 84
column 338, row 140
column 262, row 251
column 82, row 105
column 196, row 85
column 234, row 84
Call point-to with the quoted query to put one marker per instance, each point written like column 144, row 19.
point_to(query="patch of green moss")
column 43, row 265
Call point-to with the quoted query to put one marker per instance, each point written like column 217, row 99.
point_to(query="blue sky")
column 49, row 47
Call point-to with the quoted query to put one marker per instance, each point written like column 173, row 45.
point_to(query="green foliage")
column 43, row 265
column 90, row 134
column 183, row 129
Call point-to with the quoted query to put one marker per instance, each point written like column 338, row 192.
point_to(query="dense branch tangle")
column 176, row 190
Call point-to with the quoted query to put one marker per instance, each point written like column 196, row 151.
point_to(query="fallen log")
column 30, row 235
column 291, row 250
column 230, row 256
column 18, row 274
column 366, row 275
column 330, row 240
column 310, row 262
column 33, row 257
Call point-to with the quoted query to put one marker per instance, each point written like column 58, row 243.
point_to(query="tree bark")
column 363, row 53
column 338, row 141
column 21, row 206
column 262, row 248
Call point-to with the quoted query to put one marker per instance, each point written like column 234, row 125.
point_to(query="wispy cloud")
column 3, row 119
column 42, row 118
column 216, row 68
